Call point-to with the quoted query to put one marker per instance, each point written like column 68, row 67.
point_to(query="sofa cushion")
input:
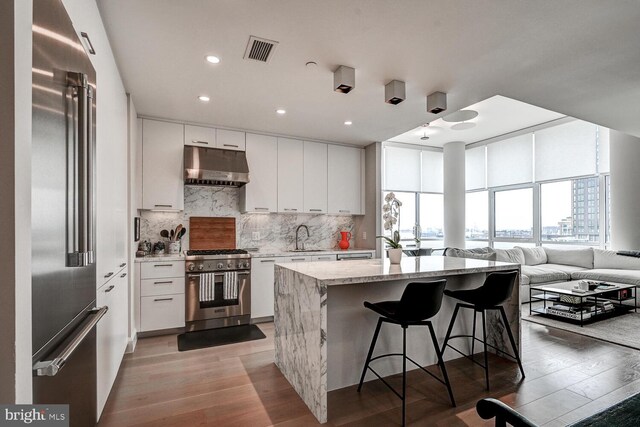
column 475, row 253
column 630, row 277
column 533, row 256
column 579, row 256
column 609, row 259
column 543, row 274
column 510, row 255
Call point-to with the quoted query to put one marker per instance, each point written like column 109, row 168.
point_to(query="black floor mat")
column 221, row 336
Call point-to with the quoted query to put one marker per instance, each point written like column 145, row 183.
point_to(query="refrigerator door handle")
column 50, row 368
column 81, row 204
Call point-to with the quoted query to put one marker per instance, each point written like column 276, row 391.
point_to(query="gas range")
column 216, row 260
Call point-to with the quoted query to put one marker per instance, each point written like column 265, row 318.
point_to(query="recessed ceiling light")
column 348, row 123
column 281, row 111
column 203, row 98
column 213, row 59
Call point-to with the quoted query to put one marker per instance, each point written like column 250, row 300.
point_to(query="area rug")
column 214, row 337
column 623, row 330
column 625, row 413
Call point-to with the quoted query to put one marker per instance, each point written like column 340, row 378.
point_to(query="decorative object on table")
column 144, row 248
column 391, row 216
column 158, row 248
column 344, row 243
column 136, row 229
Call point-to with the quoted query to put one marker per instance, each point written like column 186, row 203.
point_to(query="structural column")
column 454, row 194
column 625, row 197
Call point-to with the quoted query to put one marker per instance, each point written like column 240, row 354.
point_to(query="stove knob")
column 191, row 267
column 220, row 265
column 229, row 265
column 201, row 267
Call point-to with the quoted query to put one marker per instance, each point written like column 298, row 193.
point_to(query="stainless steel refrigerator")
column 63, row 218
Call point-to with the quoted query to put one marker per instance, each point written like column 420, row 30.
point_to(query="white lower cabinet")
column 262, row 287
column 112, row 333
column 161, row 290
column 324, row 258
column 162, row 312
column 262, row 283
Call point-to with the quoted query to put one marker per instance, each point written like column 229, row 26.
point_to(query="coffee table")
column 604, row 302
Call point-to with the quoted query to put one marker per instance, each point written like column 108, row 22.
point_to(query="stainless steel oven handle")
column 50, row 368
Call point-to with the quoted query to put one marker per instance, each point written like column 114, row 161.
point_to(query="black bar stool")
column 496, row 290
column 420, row 301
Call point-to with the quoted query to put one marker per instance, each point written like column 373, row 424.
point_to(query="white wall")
column 624, row 152
column 15, row 193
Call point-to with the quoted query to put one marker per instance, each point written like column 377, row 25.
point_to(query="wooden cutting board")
column 212, row 233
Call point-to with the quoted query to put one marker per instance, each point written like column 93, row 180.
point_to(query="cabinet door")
column 290, row 175
column 162, row 312
column 111, row 334
column 345, row 180
column 315, row 177
column 262, row 289
column 230, row 140
column 261, row 193
column 323, row 258
column 199, row 136
column 162, row 165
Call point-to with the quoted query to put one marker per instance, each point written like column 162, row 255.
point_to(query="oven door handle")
column 240, row 273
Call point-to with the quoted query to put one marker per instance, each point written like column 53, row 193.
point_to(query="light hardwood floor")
column 568, row 378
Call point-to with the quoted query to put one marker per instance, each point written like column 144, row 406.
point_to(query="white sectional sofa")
column 544, row 265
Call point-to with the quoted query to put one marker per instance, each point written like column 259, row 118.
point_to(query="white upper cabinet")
column 345, row 180
column 199, row 136
column 315, row 177
column 230, row 140
column 162, row 165
column 261, row 193
column 290, row 175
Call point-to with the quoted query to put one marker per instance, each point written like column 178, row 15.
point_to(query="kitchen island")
column 323, row 331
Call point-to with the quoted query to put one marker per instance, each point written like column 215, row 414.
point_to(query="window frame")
column 417, row 215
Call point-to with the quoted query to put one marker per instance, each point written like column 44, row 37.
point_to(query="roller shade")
column 566, row 151
column 510, row 161
column 475, row 168
column 432, row 164
column 603, row 150
column 401, row 169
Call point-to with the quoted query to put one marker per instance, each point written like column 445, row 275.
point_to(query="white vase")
column 395, row 255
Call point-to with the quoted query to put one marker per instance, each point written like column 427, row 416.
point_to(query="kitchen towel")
column 230, row 285
column 207, row 287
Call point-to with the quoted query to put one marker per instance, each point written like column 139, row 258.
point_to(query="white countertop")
column 273, row 253
column 376, row 270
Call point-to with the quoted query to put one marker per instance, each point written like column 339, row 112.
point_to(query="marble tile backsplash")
column 276, row 231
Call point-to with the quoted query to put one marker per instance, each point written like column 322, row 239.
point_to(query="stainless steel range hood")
column 212, row 166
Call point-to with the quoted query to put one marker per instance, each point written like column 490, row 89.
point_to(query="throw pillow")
column 533, row 256
column 609, row 259
column 580, row 257
column 510, row 255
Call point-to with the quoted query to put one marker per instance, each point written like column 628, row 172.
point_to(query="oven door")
column 216, row 306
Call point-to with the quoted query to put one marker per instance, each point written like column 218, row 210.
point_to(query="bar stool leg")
column 473, row 335
column 404, row 373
column 484, row 342
column 441, row 363
column 371, row 347
column 513, row 341
column 453, row 320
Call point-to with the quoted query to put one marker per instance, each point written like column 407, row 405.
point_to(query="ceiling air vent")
column 260, row 49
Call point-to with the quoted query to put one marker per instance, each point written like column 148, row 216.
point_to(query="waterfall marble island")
column 323, row 331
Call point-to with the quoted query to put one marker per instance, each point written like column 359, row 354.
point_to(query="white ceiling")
column 496, row 116
column 577, row 57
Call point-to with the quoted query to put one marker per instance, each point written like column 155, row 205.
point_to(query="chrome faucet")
column 298, row 230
